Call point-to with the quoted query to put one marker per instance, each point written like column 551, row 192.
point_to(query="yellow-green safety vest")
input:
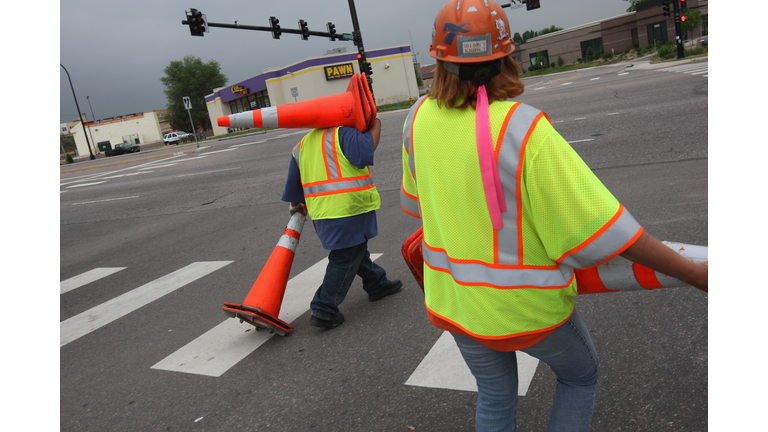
column 333, row 187
column 494, row 285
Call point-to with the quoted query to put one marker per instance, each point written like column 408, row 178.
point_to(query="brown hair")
column 448, row 89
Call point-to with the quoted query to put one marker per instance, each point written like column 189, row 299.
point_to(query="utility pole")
column 82, row 123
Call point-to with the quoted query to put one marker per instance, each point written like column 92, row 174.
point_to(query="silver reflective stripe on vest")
column 408, row 139
column 338, row 186
column 476, row 274
column 613, row 239
column 296, row 151
column 330, row 145
column 520, row 123
column 269, row 117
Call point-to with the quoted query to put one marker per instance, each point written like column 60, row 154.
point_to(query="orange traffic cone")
column 618, row 274
column 353, row 108
column 262, row 305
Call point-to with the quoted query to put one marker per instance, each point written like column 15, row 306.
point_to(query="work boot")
column 391, row 287
column 332, row 323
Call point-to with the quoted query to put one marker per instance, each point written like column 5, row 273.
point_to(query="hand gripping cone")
column 353, row 108
column 262, row 305
column 616, row 275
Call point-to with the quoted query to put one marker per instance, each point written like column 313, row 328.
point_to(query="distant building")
column 138, row 128
column 644, row 27
column 427, row 75
column 394, row 80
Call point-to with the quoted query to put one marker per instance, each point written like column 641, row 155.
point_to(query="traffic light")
column 666, row 8
column 197, row 22
column 304, row 30
column 532, row 4
column 331, row 30
column 683, row 10
column 275, row 24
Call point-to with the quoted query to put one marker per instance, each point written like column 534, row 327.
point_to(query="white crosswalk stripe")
column 219, row 349
column 443, row 367
column 88, row 277
column 103, row 314
column 691, row 68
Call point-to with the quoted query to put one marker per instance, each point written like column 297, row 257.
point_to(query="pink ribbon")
column 494, row 195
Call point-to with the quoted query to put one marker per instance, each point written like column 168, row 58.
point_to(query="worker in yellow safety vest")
column 330, row 173
column 508, row 211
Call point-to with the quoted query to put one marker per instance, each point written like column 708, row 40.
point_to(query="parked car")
column 123, row 148
column 174, row 137
column 703, row 41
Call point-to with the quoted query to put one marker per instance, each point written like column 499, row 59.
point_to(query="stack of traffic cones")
column 353, row 108
column 262, row 305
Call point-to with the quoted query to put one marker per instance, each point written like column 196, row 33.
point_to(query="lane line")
column 247, row 144
column 88, row 277
column 443, row 367
column 219, row 151
column 80, row 325
column 207, row 172
column 222, row 347
column 85, row 184
column 625, row 73
column 584, row 140
column 105, row 200
column 158, row 166
column 595, row 79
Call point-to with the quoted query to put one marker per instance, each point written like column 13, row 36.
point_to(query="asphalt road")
column 186, row 229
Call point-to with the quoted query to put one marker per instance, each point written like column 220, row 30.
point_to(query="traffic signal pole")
column 198, row 25
column 678, row 31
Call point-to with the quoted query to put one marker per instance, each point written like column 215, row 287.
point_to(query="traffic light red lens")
column 359, row 56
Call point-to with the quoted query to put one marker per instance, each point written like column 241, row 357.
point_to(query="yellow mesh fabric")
column 564, row 202
column 312, row 150
column 448, row 168
column 409, row 185
column 480, row 309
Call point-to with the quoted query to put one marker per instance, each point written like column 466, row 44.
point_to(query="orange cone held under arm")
column 353, row 108
column 262, row 305
column 616, row 275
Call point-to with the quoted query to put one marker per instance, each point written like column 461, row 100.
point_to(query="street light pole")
column 79, row 114
column 93, row 117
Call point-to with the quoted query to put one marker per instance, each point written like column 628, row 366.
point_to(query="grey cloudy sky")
column 115, row 52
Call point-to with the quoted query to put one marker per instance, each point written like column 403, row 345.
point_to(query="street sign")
column 294, row 92
column 347, row 36
column 187, row 103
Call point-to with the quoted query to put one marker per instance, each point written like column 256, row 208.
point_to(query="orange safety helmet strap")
column 471, row 31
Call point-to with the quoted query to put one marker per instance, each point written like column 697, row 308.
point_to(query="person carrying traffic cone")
column 508, row 211
column 329, row 172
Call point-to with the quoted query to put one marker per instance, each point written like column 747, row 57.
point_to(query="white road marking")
column 86, row 184
column 158, row 166
column 595, row 79
column 106, row 200
column 88, row 277
column 247, row 144
column 702, row 72
column 126, row 175
column 540, row 88
column 580, row 118
column 207, row 172
column 222, row 347
column 443, row 367
column 219, row 151
column 625, row 73
column 566, row 83
column 584, row 140
column 614, row 113
column 103, row 314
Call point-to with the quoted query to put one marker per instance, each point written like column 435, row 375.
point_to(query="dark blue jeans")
column 343, row 266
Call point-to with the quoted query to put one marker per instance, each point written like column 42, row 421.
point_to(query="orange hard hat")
column 471, row 31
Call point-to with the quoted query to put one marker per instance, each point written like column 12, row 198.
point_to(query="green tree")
column 633, row 4
column 191, row 77
column 692, row 23
column 550, row 29
column 517, row 38
column 419, row 81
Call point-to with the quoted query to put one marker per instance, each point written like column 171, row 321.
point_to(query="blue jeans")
column 343, row 266
column 570, row 354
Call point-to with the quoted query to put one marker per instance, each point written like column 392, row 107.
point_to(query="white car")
column 174, row 137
